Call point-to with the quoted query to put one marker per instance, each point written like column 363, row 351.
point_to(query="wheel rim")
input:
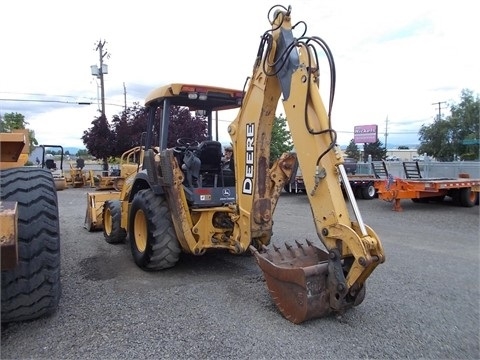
column 371, row 191
column 140, row 230
column 107, row 221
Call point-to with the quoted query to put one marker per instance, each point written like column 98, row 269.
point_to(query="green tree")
column 436, row 140
column 14, row 121
column 82, row 153
column 465, row 120
column 352, row 150
column 281, row 140
column 446, row 138
column 376, row 149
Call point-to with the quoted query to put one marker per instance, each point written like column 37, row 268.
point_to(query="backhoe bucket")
column 297, row 279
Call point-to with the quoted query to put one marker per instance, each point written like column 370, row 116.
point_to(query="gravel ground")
column 422, row 303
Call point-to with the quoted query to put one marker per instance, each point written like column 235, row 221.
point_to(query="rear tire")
column 32, row 289
column 368, row 192
column 112, row 216
column 152, row 236
column 467, row 197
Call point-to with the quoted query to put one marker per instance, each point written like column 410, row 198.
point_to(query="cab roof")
column 196, row 97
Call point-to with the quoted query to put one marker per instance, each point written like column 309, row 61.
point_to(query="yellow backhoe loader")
column 129, row 162
column 78, row 177
column 117, row 195
column 183, row 200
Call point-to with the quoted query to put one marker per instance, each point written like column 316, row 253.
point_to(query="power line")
column 37, row 94
column 50, row 101
column 59, row 101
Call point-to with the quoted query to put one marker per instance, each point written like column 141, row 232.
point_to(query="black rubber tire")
column 437, row 199
column 467, row 197
column 32, row 289
column 369, row 192
column 420, row 200
column 112, row 216
column 150, row 224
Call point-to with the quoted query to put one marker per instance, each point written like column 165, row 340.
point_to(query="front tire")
column 32, row 288
column 112, row 216
column 152, row 236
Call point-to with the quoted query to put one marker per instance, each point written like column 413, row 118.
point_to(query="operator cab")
column 207, row 181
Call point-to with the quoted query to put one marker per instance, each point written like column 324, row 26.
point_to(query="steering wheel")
column 187, row 142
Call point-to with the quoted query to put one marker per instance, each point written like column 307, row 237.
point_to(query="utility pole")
column 386, row 133
column 125, row 97
column 439, row 108
column 101, row 70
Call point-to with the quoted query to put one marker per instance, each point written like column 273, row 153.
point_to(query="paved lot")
column 422, row 303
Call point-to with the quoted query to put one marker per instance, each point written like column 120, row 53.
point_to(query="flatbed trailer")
column 463, row 191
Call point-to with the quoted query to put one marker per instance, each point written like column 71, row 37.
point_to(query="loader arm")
column 289, row 67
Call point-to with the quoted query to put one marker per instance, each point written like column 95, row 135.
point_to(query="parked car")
column 392, row 158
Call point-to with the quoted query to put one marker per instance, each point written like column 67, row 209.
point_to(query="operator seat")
column 80, row 163
column 50, row 164
column 210, row 154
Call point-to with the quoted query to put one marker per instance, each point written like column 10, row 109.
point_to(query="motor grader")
column 183, row 200
column 29, row 234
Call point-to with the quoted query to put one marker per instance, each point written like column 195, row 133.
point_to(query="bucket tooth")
column 300, row 246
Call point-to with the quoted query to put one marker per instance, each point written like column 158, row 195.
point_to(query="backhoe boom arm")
column 289, row 67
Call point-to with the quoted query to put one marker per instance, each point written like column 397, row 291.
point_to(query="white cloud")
column 392, row 59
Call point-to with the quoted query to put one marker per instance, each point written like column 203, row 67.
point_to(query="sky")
column 396, row 62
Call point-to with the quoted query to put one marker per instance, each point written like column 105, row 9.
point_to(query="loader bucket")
column 93, row 215
column 297, row 279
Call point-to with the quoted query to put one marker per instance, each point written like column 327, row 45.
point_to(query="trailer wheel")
column 369, row 192
column 32, row 289
column 467, row 197
column 152, row 236
column 112, row 216
column 437, row 199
